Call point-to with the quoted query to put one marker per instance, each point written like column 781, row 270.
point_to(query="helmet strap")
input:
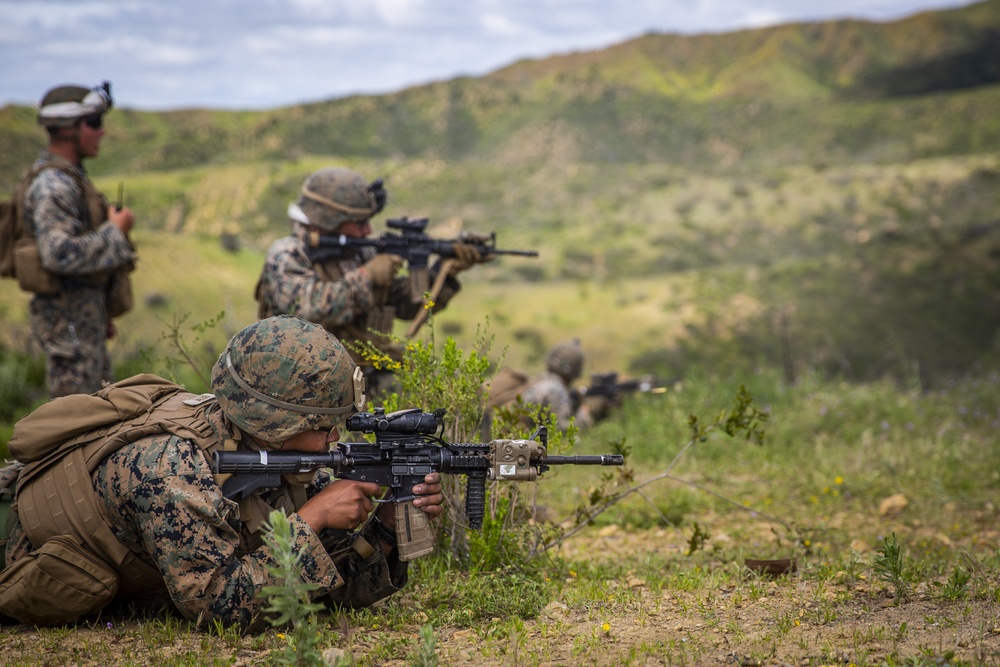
column 285, row 405
column 337, row 206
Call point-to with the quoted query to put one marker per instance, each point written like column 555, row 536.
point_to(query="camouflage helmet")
column 565, row 360
column 64, row 105
column 283, row 375
column 334, row 195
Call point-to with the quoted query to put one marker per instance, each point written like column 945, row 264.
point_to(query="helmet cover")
column 282, row 376
column 334, row 195
column 565, row 360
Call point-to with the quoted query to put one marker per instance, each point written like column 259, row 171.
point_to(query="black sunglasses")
column 94, row 122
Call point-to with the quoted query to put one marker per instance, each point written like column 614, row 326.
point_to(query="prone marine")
column 155, row 522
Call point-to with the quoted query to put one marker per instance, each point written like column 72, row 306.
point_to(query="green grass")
column 630, row 591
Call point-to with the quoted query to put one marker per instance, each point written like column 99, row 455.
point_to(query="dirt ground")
column 790, row 620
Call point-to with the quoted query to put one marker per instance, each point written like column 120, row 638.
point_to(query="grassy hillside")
column 836, row 92
column 857, row 271
column 803, row 196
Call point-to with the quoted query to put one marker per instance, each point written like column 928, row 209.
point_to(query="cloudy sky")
column 259, row 54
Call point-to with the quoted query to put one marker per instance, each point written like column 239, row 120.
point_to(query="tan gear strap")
column 439, row 281
column 349, row 210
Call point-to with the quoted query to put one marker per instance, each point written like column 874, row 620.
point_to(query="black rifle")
column 607, row 385
column 405, row 450
column 411, row 243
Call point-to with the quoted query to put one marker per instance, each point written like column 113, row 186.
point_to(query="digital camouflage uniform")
column 332, row 290
column 163, row 503
column 159, row 497
column 563, row 365
column 336, row 293
column 550, row 390
column 72, row 326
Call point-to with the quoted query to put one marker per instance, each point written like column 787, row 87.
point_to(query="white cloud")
column 262, row 53
column 762, row 18
column 495, row 23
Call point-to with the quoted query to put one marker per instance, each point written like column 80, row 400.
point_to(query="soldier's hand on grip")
column 382, row 268
column 429, row 497
column 344, row 504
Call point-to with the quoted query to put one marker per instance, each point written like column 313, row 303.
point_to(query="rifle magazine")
column 414, row 537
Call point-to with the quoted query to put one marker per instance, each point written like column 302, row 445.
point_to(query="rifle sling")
column 442, row 276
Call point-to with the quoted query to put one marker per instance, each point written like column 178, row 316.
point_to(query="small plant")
column 185, row 356
column 697, row 540
column 888, row 565
column 957, row 586
column 424, row 655
column 290, row 601
column 431, row 377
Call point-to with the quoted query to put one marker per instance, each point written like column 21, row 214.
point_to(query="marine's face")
column 90, row 136
column 312, row 442
column 355, row 229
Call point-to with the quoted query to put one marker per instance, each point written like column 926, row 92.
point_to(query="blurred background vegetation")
column 807, row 198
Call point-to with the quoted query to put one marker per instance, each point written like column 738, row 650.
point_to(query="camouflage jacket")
column 336, row 293
column 83, row 252
column 550, row 390
column 162, row 502
column 71, row 244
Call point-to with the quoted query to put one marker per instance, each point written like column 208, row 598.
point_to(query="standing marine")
column 78, row 266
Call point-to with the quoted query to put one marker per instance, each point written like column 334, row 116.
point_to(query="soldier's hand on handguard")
column 429, row 497
column 467, row 256
column 382, row 268
column 344, row 504
column 122, row 218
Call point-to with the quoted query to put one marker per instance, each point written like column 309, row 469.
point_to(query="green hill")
column 810, row 195
column 842, row 92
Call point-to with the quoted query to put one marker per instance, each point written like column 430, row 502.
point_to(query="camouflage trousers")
column 72, row 328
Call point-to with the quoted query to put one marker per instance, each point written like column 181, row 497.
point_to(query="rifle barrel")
column 595, row 460
column 519, row 253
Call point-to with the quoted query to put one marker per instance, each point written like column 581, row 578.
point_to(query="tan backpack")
column 78, row 561
column 506, row 385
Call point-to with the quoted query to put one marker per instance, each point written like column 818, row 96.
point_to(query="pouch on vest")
column 19, row 256
column 60, row 582
column 120, row 299
column 57, row 422
column 32, row 276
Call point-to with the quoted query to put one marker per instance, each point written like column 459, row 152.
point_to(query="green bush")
column 22, row 383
